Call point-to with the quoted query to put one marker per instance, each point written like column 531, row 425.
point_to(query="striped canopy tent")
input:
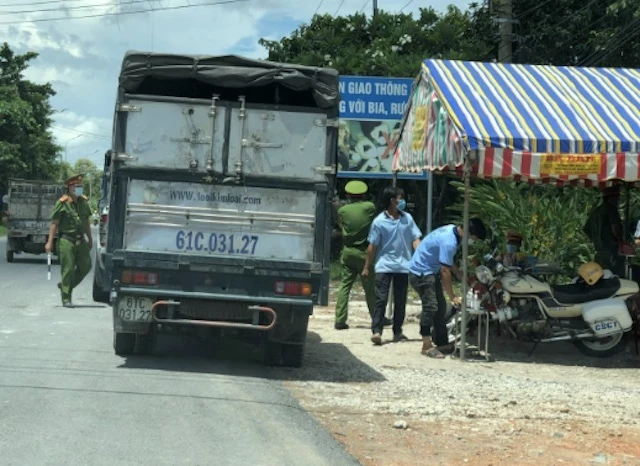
column 561, row 125
column 540, row 124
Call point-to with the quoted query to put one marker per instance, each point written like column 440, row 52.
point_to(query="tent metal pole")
column 429, row 202
column 627, row 211
column 465, row 255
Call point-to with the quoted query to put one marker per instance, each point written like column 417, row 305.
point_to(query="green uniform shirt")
column 71, row 215
column 356, row 219
column 599, row 226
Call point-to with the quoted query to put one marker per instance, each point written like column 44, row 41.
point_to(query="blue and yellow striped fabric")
column 540, row 109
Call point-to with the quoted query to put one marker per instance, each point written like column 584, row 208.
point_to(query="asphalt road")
column 66, row 398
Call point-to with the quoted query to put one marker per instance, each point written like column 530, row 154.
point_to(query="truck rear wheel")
column 292, row 355
column 145, row 342
column 124, row 343
column 99, row 295
column 287, row 355
column 9, row 251
column 273, row 354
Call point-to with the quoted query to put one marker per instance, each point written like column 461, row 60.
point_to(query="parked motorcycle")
column 594, row 312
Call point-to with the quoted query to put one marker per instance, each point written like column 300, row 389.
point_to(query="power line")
column 535, row 25
column 73, row 8
column 104, row 15
column 339, row 6
column 406, row 5
column 535, row 8
column 631, row 29
column 42, row 2
column 364, row 6
column 77, row 131
column 318, row 7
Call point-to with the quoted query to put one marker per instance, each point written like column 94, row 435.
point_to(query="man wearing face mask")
column 71, row 215
column 513, row 257
column 393, row 237
column 431, row 269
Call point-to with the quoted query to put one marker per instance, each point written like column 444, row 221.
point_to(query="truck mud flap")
column 214, row 323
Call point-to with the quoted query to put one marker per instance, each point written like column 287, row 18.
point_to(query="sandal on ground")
column 446, row 348
column 433, row 353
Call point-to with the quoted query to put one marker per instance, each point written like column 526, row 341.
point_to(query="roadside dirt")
column 555, row 407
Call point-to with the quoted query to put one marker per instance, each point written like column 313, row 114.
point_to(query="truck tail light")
column 293, row 288
column 136, row 277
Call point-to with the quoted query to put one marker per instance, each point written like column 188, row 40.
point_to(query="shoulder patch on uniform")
column 84, row 197
column 65, row 198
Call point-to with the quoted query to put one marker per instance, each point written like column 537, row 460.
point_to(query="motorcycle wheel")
column 603, row 348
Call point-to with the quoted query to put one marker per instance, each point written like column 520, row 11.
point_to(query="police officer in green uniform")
column 354, row 219
column 604, row 228
column 71, row 216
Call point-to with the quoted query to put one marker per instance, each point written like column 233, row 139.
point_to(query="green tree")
column 92, row 180
column 384, row 45
column 27, row 148
column 565, row 32
column 64, row 170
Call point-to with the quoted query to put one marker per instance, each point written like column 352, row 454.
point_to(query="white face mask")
column 512, row 248
column 471, row 241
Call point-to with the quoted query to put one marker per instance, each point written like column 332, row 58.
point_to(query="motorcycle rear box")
column 607, row 316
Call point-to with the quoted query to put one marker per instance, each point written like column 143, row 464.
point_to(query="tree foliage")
column 566, row 32
column 27, row 148
column 92, row 182
column 562, row 32
column 384, row 45
column 550, row 219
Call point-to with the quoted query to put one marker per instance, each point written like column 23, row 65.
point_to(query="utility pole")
column 375, row 7
column 504, row 18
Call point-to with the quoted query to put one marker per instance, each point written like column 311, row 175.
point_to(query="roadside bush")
column 550, row 219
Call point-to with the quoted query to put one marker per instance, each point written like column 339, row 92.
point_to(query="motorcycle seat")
column 543, row 268
column 580, row 293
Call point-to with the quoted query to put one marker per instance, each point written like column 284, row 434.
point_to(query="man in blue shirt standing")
column 431, row 269
column 393, row 237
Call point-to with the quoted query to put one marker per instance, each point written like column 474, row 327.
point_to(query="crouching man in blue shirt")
column 393, row 237
column 431, row 269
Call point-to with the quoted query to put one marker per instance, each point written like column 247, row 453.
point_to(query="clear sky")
column 81, row 57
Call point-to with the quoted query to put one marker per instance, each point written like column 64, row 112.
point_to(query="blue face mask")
column 512, row 248
column 78, row 190
column 402, row 204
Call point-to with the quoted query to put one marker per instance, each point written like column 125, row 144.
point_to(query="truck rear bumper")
column 283, row 319
column 255, row 325
column 172, row 294
column 33, row 243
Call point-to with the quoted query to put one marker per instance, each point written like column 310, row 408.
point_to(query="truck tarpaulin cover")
column 196, row 75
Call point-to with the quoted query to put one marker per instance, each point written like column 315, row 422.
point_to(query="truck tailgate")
column 31, row 204
column 220, row 221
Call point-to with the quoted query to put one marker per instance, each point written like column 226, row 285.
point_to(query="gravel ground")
column 347, row 381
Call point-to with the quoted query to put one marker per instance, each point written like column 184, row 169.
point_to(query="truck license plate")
column 39, row 238
column 134, row 309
